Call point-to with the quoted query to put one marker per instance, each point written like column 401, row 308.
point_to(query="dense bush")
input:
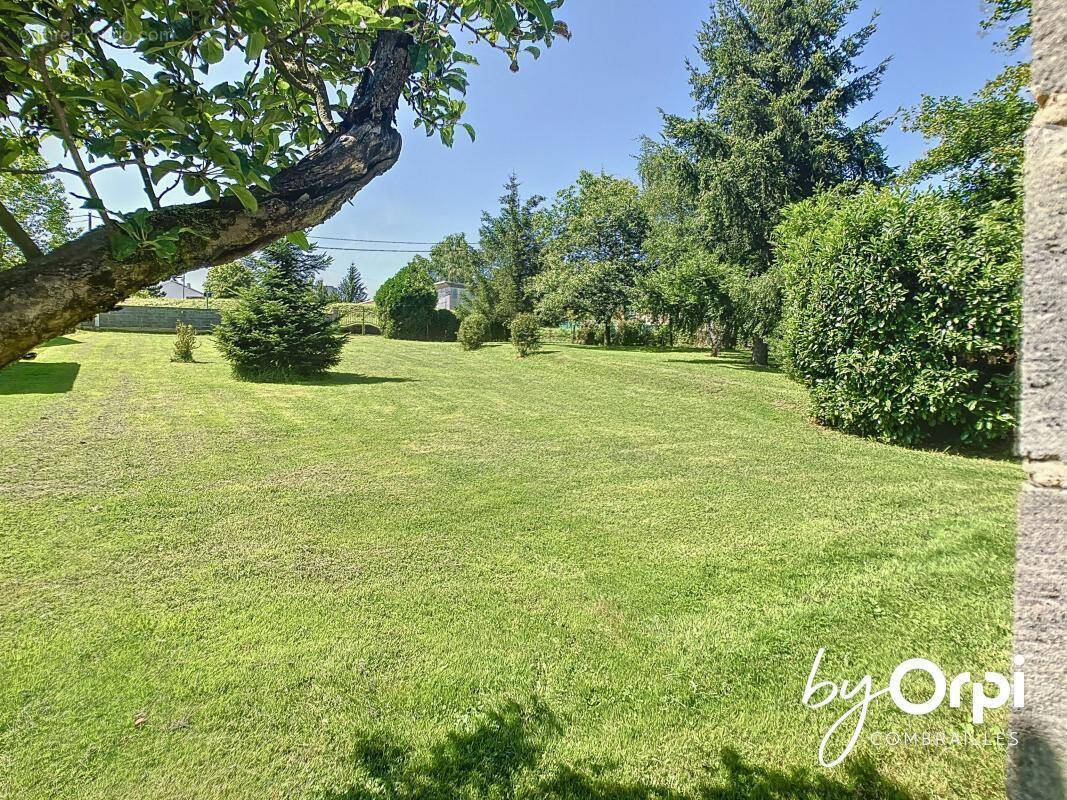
column 184, row 343
column 526, row 334
column 280, row 328
column 473, row 331
column 902, row 314
column 632, row 333
column 590, row 334
column 406, row 304
column 444, row 325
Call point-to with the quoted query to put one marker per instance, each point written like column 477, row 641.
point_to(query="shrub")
column 473, row 331
column 632, row 333
column 184, row 343
column 406, row 304
column 280, row 328
column 526, row 334
column 590, row 334
column 444, row 325
column 902, row 314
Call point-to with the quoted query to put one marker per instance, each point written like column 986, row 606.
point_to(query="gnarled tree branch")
column 51, row 293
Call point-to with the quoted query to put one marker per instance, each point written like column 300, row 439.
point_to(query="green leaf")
column 248, row 200
column 470, row 130
column 300, row 239
column 543, row 12
column 145, row 101
column 256, row 42
column 122, row 246
column 131, row 21
column 211, row 50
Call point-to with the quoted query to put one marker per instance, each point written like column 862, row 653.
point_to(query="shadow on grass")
column 59, row 341
column 38, row 378
column 501, row 757
column 727, row 360
column 326, row 379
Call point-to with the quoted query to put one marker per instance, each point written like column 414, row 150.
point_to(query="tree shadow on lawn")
column 333, row 379
column 59, row 341
column 728, row 361
column 24, row 377
column 500, row 756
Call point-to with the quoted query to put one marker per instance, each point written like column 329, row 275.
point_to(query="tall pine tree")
column 777, row 83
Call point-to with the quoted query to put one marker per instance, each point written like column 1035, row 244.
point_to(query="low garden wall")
column 153, row 318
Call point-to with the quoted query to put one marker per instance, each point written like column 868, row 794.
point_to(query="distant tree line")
column 771, row 220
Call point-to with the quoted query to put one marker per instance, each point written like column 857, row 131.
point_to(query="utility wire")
column 372, row 250
column 352, row 249
column 371, row 241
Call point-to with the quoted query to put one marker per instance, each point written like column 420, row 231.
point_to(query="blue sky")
column 586, row 102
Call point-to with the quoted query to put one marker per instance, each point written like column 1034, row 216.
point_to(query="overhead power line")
column 371, row 241
column 423, row 247
column 373, row 250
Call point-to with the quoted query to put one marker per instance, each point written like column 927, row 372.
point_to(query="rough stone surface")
column 1050, row 46
column 1044, row 370
column 1037, row 767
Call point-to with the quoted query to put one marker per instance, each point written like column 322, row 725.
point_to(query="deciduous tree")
column 33, row 212
column 305, row 124
column 596, row 254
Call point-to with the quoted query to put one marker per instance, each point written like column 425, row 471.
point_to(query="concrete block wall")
column 1037, row 767
column 153, row 318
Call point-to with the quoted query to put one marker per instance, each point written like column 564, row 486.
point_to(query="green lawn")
column 445, row 574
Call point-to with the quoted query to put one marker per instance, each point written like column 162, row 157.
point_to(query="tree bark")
column 50, row 294
column 759, row 351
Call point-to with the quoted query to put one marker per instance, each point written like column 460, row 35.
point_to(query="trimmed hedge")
column 902, row 314
column 406, row 304
column 444, row 325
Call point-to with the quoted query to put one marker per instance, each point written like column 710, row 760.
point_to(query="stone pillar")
column 1037, row 767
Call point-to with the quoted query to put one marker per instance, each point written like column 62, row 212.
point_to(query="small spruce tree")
column 280, row 328
column 352, row 289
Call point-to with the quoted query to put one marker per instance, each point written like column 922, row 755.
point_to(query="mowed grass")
column 589, row 573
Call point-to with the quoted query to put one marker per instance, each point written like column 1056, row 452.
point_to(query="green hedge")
column 902, row 314
column 406, row 304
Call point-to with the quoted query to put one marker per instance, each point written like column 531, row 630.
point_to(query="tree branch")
column 53, row 292
column 68, row 137
column 17, row 234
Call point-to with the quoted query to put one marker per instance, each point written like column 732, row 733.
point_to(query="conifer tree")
column 352, row 289
column 778, row 81
column 279, row 328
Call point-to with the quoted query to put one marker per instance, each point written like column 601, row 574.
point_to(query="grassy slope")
column 584, row 574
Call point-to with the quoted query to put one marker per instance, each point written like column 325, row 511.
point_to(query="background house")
column 450, row 294
column 177, row 288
